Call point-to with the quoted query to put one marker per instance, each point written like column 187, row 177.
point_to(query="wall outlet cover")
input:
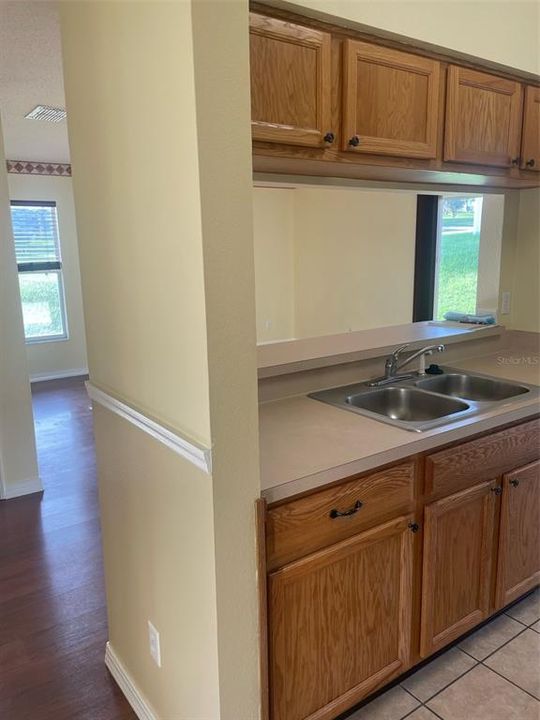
column 505, row 303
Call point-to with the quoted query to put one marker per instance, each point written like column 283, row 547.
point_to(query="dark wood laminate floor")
column 53, row 622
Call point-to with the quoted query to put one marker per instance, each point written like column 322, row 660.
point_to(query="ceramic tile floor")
column 493, row 674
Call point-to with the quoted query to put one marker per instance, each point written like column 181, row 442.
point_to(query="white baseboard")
column 23, row 488
column 142, row 708
column 40, row 377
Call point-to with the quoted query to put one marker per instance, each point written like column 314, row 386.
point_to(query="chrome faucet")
column 393, row 364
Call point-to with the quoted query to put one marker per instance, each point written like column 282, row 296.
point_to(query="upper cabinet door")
column 290, row 82
column 483, row 118
column 530, row 141
column 391, row 101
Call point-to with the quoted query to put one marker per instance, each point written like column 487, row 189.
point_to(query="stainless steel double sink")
column 428, row 401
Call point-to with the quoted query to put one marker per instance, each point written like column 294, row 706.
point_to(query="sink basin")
column 471, row 387
column 420, row 404
column 406, row 404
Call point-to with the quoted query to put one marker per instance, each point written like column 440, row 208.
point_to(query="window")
column 37, row 250
column 458, row 253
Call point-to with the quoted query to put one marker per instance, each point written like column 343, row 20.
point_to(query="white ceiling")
column 30, row 75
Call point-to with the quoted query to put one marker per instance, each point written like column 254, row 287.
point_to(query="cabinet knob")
column 496, row 490
column 530, row 163
column 414, row 527
column 354, row 141
column 345, row 513
column 514, row 483
column 515, row 161
column 329, row 138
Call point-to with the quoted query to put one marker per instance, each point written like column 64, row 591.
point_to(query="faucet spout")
column 429, row 350
column 393, row 364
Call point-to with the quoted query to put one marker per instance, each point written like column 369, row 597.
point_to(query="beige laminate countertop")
column 305, row 443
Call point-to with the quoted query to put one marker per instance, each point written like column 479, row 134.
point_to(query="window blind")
column 35, row 231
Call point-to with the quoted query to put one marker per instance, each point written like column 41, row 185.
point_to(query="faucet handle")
column 400, row 349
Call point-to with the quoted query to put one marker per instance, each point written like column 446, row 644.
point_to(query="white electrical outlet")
column 268, row 324
column 153, row 640
column 505, row 303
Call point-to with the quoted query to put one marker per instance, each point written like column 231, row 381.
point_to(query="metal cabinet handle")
column 514, row 483
column 530, row 163
column 354, row 141
column 496, row 490
column 515, row 160
column 329, row 138
column 345, row 513
column 414, row 527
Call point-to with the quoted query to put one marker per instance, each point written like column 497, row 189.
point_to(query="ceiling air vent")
column 48, row 113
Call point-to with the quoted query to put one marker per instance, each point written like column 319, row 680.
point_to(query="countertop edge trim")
column 197, row 455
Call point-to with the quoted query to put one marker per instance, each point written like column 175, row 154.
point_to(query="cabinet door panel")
column 391, row 101
column 458, row 550
column 290, row 82
column 518, row 568
column 340, row 623
column 530, row 140
column 483, row 118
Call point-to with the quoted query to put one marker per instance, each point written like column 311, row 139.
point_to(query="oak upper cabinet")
column 458, row 556
column 483, row 118
column 391, row 101
column 290, row 83
column 518, row 568
column 340, row 622
column 530, row 139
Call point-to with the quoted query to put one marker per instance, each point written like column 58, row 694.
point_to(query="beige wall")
column 221, row 53
column 354, row 260
column 502, row 32
column 273, row 238
column 508, row 251
column 46, row 359
column 158, row 541
column 143, row 287
column 489, row 260
column 526, row 295
column 520, row 261
column 323, row 257
column 167, row 270
column 18, row 462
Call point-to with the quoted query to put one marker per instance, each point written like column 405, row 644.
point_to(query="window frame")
column 429, row 230
column 56, row 266
column 428, row 208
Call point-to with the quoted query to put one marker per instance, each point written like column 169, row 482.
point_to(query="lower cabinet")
column 518, row 568
column 369, row 576
column 458, row 556
column 340, row 622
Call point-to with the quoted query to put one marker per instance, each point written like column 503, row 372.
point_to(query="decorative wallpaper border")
column 24, row 167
